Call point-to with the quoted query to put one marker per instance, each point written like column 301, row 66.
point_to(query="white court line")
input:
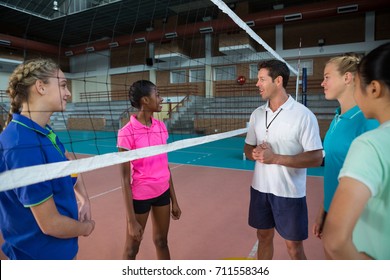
column 186, row 152
column 177, row 166
column 99, row 145
column 253, row 252
column 103, row 193
column 223, row 148
column 120, row 187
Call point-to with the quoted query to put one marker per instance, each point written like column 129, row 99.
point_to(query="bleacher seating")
column 220, row 114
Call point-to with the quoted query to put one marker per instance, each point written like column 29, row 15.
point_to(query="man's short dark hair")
column 276, row 68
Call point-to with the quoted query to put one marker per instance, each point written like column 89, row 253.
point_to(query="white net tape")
column 224, row 8
column 34, row 174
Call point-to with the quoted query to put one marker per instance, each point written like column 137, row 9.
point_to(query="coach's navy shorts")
column 143, row 206
column 287, row 215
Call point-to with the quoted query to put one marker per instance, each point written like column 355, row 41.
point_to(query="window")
column 224, row 73
column 178, row 76
column 253, row 71
column 304, row 63
column 197, row 75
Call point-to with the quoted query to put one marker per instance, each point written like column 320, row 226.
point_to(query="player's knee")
column 265, row 236
column 160, row 242
column 296, row 251
column 131, row 250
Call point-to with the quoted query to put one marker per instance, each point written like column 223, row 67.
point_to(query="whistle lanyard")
column 267, row 125
column 51, row 136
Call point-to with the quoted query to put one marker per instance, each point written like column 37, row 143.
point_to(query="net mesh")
column 206, row 77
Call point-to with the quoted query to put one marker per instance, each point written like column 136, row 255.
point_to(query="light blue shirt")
column 342, row 131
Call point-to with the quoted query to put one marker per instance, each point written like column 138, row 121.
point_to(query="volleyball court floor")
column 212, row 184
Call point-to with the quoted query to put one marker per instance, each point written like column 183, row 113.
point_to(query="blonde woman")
column 358, row 225
column 348, row 123
column 43, row 220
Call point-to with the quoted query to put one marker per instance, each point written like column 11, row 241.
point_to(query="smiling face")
column 154, row 100
column 266, row 85
column 57, row 92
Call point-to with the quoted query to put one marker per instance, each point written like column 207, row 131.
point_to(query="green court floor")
column 226, row 153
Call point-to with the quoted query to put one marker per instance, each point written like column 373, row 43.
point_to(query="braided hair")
column 23, row 77
column 138, row 90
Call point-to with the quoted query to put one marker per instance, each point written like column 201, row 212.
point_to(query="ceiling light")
column 347, row 9
column 113, row 44
column 292, row 17
column 55, row 5
column 140, row 40
column 89, row 49
column 5, row 43
column 250, row 23
column 205, row 30
column 170, row 35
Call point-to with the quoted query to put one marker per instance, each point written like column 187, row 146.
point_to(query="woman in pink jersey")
column 146, row 183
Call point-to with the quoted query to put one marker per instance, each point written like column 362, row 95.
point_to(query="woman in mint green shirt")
column 358, row 225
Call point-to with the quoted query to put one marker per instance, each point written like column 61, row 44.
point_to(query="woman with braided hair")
column 43, row 220
column 147, row 184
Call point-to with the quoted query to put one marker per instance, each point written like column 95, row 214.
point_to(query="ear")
column 348, row 77
column 40, row 87
column 144, row 100
column 375, row 89
column 279, row 80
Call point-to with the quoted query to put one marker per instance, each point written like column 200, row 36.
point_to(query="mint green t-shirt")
column 368, row 161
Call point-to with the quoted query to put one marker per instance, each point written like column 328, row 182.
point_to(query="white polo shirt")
column 292, row 129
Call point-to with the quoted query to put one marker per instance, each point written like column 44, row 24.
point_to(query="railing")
column 4, row 96
column 86, row 121
column 103, row 96
column 175, row 108
column 85, row 115
column 313, row 86
column 3, row 111
column 178, row 90
column 232, row 89
column 3, row 117
column 165, row 91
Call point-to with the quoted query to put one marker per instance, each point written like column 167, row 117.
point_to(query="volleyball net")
column 205, row 71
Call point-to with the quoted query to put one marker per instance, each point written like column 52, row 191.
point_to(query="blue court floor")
column 225, row 153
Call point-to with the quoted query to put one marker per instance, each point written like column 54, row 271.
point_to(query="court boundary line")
column 252, row 253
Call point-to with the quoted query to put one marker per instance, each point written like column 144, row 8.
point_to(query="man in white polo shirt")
column 283, row 138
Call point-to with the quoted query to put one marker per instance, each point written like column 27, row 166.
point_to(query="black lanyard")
column 266, row 119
